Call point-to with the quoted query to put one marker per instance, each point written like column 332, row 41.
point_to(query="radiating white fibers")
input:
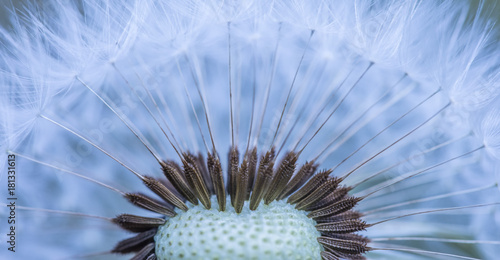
column 399, row 97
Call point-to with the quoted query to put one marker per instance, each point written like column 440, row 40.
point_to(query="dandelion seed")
column 252, row 130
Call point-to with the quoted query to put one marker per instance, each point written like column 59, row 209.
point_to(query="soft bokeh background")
column 39, row 231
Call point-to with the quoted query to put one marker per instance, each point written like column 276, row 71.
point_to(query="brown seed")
column 145, row 252
column 204, row 173
column 162, row 191
column 325, row 255
column 309, row 187
column 252, row 167
column 195, row 180
column 339, row 217
column 232, row 171
column 148, row 203
column 343, row 255
column 137, row 223
column 341, row 227
column 172, row 171
column 135, row 243
column 306, row 171
column 215, row 170
column 336, row 208
column 331, row 198
column 348, row 236
column 264, row 176
column 344, row 246
column 319, row 193
column 281, row 177
column 241, row 187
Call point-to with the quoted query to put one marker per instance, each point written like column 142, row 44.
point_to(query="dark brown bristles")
column 319, row 193
column 232, row 171
column 325, row 255
column 205, row 174
column 215, row 171
column 162, row 191
column 281, row 177
column 172, row 171
column 322, row 196
column 135, row 243
column 348, row 236
column 348, row 226
column 306, row 171
column 309, row 187
column 145, row 252
column 339, row 217
column 241, row 187
column 195, row 180
column 343, row 255
column 335, row 208
column 137, row 223
column 252, row 167
column 343, row 245
column 331, row 198
column 148, row 203
column 264, row 175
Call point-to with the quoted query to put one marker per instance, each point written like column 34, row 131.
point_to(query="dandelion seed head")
column 110, row 104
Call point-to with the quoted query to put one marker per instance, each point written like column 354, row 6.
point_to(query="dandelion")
column 252, row 129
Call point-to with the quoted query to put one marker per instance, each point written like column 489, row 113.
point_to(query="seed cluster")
column 320, row 196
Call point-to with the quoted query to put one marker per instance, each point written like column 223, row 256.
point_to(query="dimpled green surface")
column 275, row 231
